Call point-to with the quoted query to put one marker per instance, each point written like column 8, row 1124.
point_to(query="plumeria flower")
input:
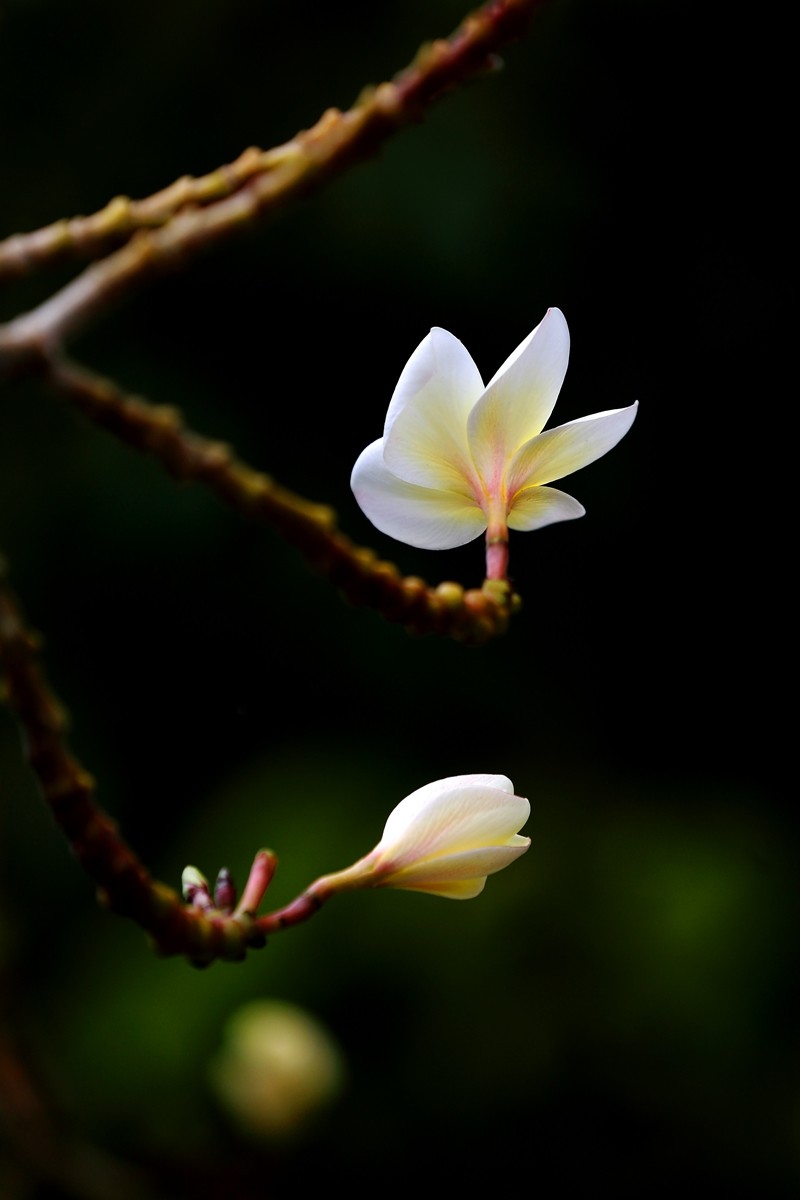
column 445, row 839
column 458, row 458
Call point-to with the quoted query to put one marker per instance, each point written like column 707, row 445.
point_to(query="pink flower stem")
column 360, row 874
column 297, row 911
column 496, row 557
column 261, row 873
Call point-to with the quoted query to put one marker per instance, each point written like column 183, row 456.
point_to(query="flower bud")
column 445, row 838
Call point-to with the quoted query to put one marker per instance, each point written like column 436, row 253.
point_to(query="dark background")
column 619, row 1007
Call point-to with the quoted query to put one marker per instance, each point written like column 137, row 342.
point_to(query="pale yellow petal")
column 450, row 889
column 565, row 449
column 536, row 507
column 467, row 870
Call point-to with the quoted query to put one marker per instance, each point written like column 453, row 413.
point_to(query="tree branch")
column 124, row 884
column 192, row 216
column 471, row 616
column 92, row 236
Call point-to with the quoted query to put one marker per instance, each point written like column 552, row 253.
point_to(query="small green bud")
column 194, row 885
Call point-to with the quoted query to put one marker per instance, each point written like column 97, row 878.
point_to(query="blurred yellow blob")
column 276, row 1069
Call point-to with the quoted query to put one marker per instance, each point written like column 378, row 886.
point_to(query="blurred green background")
column 618, row 1008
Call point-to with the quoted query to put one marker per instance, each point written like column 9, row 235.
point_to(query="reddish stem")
column 497, row 559
column 261, row 873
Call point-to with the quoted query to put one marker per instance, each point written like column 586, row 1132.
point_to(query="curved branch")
column 333, row 144
column 471, row 616
column 124, row 884
column 123, row 881
column 92, row 236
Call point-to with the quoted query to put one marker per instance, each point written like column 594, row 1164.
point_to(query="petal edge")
column 418, row 516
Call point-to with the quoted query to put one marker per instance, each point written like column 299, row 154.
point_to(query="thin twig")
column 333, row 144
column 125, row 886
column 471, row 616
column 124, row 883
column 92, row 236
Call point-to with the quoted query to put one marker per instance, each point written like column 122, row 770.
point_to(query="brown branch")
column 336, row 142
column 124, row 883
column 471, row 616
column 438, row 66
column 92, row 236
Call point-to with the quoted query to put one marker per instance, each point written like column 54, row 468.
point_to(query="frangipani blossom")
column 458, row 458
column 445, row 839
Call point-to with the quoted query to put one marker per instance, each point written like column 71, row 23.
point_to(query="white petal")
column 468, row 869
column 423, row 517
column 443, row 362
column 425, row 435
column 415, row 805
column 538, row 506
column 456, row 815
column 520, row 398
column 560, row 451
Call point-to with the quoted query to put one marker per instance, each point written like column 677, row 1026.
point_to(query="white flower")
column 457, row 458
column 445, row 839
